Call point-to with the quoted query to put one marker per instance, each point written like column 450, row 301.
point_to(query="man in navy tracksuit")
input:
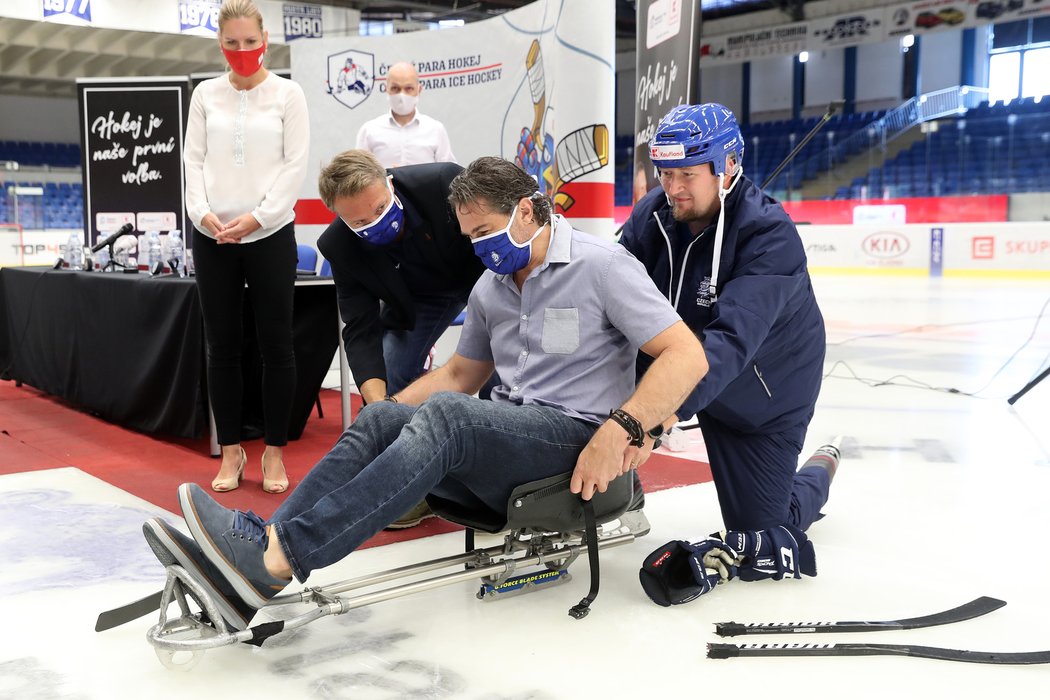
column 732, row 263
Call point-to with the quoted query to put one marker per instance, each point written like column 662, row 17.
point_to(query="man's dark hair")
column 498, row 185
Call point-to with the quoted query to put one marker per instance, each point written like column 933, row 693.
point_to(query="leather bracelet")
column 390, row 398
column 632, row 425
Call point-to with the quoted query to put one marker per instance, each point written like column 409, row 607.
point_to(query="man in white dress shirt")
column 403, row 136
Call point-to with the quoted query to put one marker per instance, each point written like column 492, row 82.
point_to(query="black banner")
column 668, row 74
column 131, row 135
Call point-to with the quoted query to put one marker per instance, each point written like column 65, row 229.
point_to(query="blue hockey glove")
column 681, row 571
column 774, row 553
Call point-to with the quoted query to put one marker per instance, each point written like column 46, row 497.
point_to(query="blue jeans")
column 453, row 445
column 405, row 352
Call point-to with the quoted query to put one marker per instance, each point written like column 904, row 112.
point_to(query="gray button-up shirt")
column 569, row 339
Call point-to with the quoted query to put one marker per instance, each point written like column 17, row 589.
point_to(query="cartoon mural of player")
column 350, row 78
column 580, row 152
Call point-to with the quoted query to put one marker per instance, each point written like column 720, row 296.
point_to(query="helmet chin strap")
column 716, row 258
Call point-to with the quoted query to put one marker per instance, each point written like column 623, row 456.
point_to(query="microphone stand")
column 112, row 264
column 1028, row 387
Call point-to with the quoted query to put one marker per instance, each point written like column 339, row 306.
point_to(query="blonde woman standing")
column 247, row 141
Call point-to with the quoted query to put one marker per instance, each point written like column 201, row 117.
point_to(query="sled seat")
column 544, row 505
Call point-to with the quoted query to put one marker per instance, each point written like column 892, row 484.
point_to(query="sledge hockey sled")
column 547, row 528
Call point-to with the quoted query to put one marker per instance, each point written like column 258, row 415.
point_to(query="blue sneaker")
column 234, row 541
column 173, row 547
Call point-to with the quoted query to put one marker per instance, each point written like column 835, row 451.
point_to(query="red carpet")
column 38, row 431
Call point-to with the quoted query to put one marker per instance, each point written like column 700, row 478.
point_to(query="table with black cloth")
column 130, row 347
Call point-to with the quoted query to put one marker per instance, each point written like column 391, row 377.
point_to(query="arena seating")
column 60, row 207
column 62, row 203
column 990, row 149
column 766, row 144
column 34, row 153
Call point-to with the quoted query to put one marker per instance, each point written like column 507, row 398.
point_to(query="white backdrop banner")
column 750, row 44
column 864, row 26
column 861, row 27
column 534, row 85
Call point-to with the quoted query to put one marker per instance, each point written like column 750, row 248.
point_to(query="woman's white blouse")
column 246, row 152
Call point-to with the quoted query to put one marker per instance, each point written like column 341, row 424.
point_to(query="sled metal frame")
column 197, row 632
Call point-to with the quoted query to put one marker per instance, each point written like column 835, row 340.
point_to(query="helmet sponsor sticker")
column 674, row 151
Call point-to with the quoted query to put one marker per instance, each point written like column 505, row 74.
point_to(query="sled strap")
column 580, row 610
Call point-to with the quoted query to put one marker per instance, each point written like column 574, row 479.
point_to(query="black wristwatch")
column 632, row 425
column 657, row 434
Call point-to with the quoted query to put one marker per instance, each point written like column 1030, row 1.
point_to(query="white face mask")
column 402, row 104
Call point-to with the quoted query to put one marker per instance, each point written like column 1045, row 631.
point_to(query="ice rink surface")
column 940, row 498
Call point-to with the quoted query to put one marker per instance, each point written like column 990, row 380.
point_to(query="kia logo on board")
column 885, row 244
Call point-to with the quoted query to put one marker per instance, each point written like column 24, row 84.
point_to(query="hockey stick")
column 975, row 608
column 126, row 613
column 725, row 651
column 833, row 108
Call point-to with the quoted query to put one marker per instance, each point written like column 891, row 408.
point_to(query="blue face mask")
column 387, row 227
column 500, row 253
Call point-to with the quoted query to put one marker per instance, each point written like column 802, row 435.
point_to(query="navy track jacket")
column 764, row 336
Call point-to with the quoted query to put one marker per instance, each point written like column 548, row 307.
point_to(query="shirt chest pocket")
column 561, row 331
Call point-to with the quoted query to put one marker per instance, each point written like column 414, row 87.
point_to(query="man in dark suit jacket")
column 402, row 268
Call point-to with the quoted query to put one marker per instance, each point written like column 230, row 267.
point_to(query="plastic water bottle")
column 75, row 252
column 120, row 256
column 177, row 251
column 102, row 255
column 154, row 252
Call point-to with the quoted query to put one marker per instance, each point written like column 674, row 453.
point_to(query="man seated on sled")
column 560, row 316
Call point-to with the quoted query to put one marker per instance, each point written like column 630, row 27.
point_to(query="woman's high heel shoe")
column 223, row 485
column 274, row 485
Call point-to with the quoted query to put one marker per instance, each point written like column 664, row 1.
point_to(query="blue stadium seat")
column 307, row 258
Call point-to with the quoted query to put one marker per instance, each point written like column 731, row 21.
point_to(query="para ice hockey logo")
column 351, row 76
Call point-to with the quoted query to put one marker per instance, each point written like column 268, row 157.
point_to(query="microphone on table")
column 108, row 240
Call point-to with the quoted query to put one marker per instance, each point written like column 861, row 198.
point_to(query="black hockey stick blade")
column 126, row 613
column 726, row 651
column 975, row 608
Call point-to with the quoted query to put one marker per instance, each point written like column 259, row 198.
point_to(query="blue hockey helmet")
column 694, row 134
